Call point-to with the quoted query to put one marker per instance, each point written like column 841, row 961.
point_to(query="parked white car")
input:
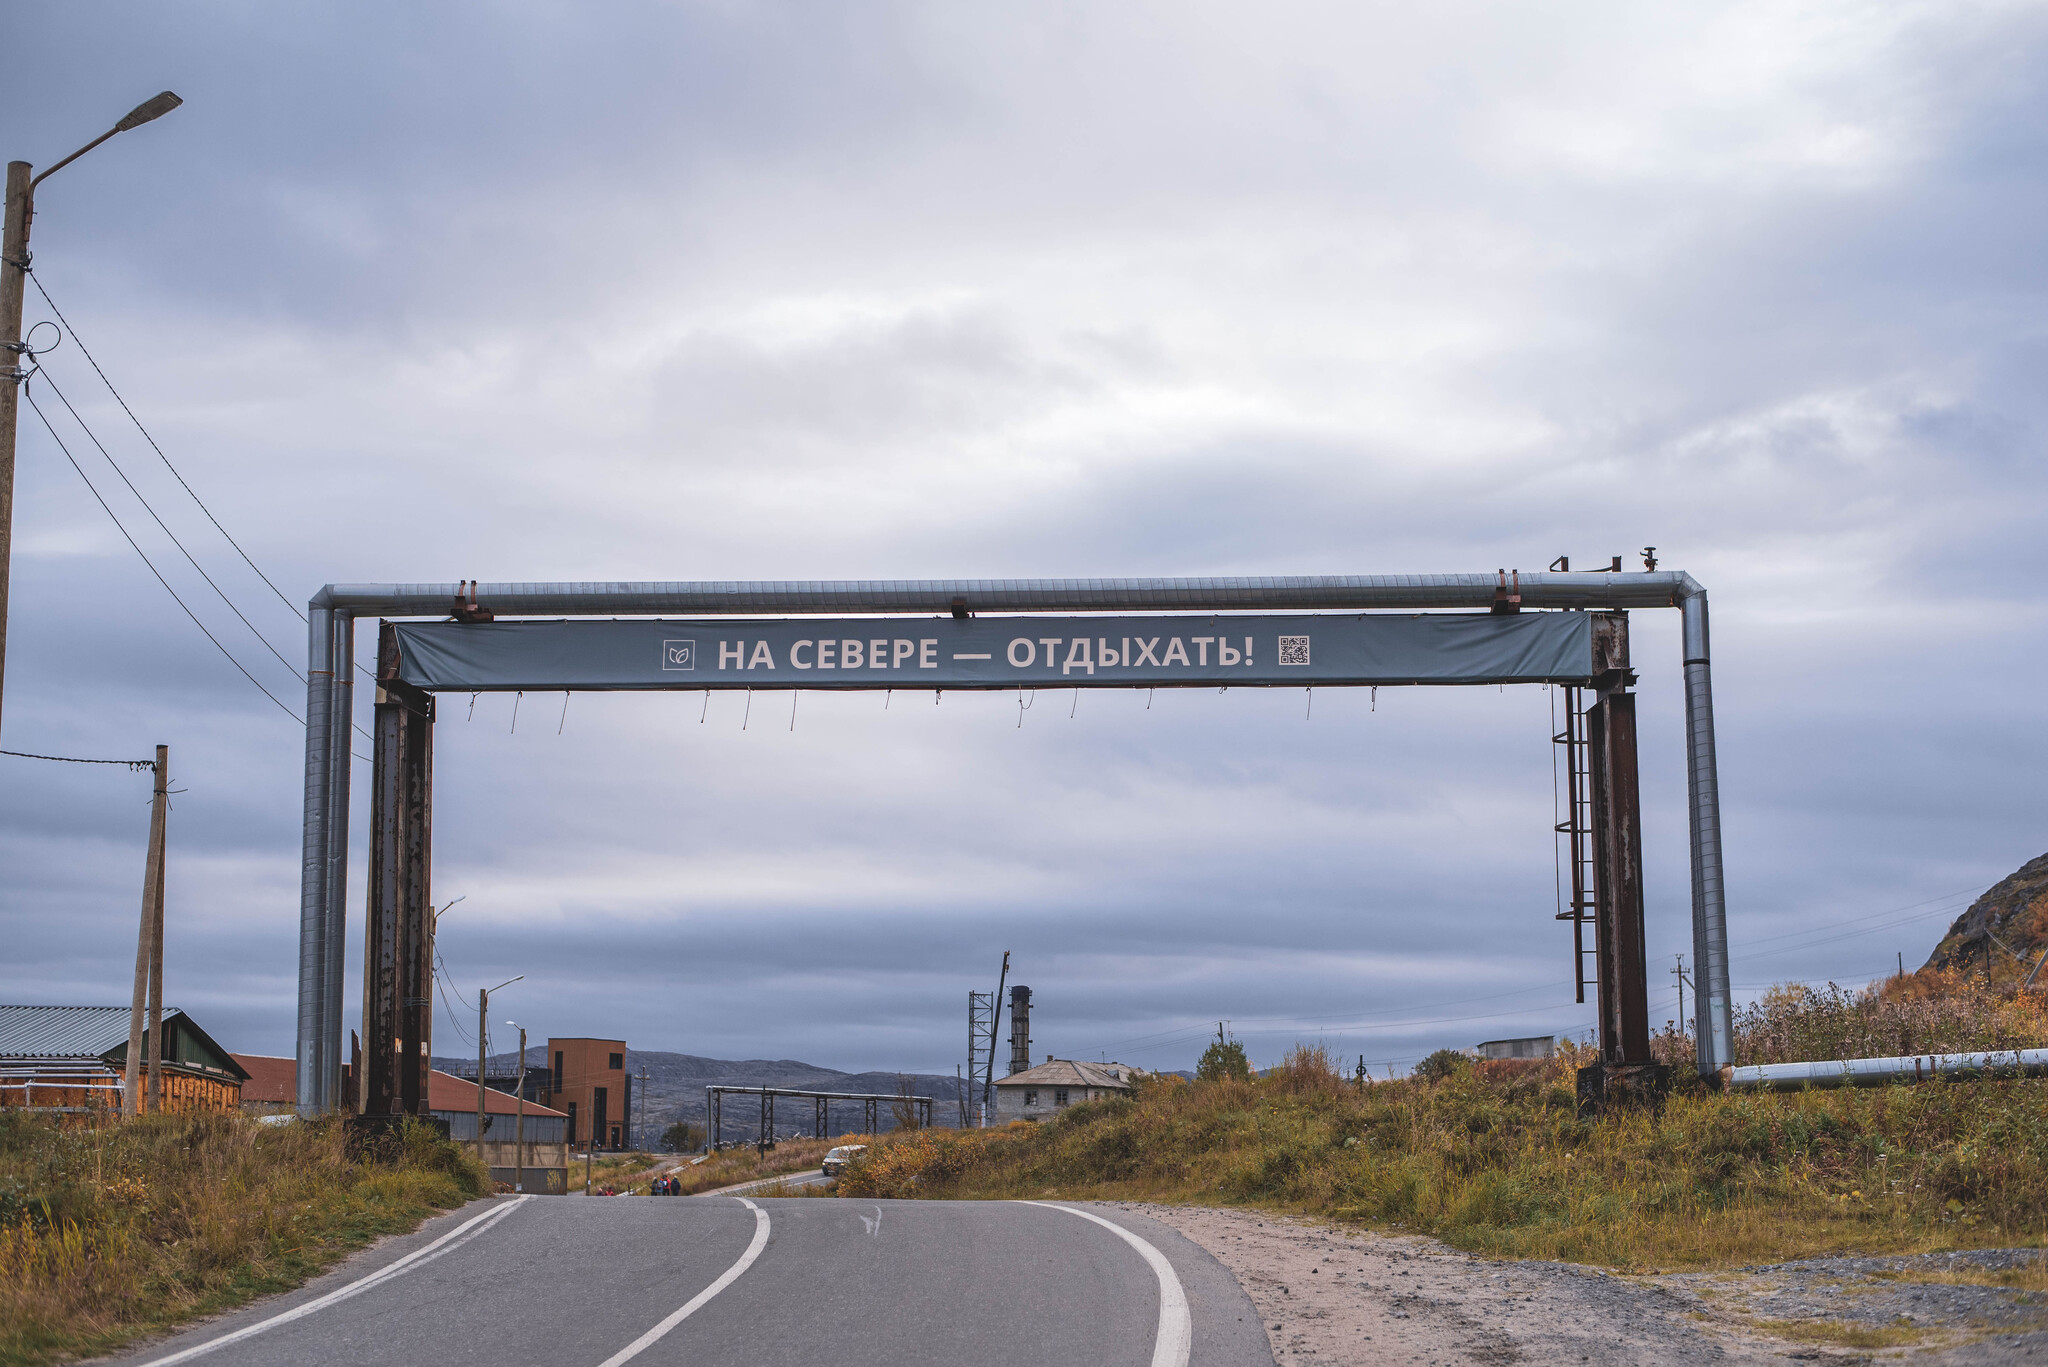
column 838, row 1158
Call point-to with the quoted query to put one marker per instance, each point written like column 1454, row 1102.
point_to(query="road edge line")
column 696, row 1302
column 1173, row 1341
column 414, row 1259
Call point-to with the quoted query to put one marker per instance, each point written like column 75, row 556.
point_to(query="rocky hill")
column 2015, row 910
column 674, row 1089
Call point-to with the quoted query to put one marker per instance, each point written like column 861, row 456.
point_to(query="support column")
column 1618, row 901
column 1711, row 995
column 1626, row 1073
column 398, row 934
column 315, row 1048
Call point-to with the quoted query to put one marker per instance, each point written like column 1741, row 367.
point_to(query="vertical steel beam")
column 1711, row 996
column 315, row 1048
column 1618, row 901
column 398, row 937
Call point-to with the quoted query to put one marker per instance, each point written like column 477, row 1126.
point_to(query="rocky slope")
column 2015, row 910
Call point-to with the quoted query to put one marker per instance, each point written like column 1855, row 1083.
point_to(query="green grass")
column 112, row 1230
column 1494, row 1160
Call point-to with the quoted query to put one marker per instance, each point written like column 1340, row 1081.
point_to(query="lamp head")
column 154, row 108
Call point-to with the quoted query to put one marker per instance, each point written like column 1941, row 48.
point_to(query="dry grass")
column 732, row 1166
column 112, row 1231
column 1840, row 1334
column 1495, row 1160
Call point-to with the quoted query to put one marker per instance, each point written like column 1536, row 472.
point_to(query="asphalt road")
column 661, row 1282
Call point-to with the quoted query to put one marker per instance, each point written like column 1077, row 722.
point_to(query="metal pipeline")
column 1875, row 1072
column 1712, row 1029
column 1224, row 594
column 319, row 1031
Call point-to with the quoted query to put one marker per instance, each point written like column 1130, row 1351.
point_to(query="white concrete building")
column 1055, row 1084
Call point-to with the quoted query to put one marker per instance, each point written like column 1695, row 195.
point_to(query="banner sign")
column 998, row 652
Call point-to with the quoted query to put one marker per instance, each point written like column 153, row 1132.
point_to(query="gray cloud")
column 702, row 291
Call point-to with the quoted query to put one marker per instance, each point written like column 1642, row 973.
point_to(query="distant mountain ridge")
column 674, row 1089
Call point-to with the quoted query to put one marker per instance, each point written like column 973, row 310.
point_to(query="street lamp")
column 483, row 1035
column 21, row 193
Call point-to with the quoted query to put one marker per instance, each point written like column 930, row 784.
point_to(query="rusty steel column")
column 398, row 932
column 1626, row 1073
column 1618, row 902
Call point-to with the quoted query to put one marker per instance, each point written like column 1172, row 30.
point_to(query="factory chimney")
column 1020, row 1029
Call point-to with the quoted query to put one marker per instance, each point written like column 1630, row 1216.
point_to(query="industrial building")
column 75, row 1058
column 588, row 1082
column 1056, row 1084
column 545, row 1132
column 1532, row 1046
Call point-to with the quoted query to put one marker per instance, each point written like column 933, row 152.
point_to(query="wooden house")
column 75, row 1059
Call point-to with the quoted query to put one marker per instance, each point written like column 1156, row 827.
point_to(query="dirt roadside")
column 1338, row 1296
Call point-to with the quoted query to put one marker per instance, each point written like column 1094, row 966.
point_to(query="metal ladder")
column 1577, row 830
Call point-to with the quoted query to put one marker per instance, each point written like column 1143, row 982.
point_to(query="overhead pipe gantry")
column 404, row 714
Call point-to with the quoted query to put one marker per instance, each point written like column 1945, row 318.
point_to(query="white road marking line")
column 873, row 1223
column 1175, row 1337
column 419, row 1257
column 696, row 1302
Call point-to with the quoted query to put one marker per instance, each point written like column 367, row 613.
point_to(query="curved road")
column 787, row 1282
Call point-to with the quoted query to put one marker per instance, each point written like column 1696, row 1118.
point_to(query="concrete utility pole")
column 21, row 193
column 519, row 1125
column 483, row 1035
column 148, row 946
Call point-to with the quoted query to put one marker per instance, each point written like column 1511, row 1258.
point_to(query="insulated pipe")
column 1873, row 1072
column 1320, row 592
column 341, row 753
column 1711, row 992
column 316, row 935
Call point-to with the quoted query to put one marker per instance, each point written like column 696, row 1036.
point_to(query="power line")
column 296, row 610
column 93, row 361
column 27, row 394
column 136, row 764
column 146, row 507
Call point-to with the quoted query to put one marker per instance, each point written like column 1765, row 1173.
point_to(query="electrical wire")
column 151, row 564
column 133, row 764
column 182, row 550
column 93, row 437
column 94, row 363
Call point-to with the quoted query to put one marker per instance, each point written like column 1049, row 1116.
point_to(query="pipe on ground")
column 1876, row 1072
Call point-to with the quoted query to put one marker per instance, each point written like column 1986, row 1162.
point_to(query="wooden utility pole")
column 149, row 950
column 14, row 268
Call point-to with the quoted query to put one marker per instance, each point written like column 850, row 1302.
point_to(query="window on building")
column 1059, row 1096
column 558, row 1072
column 618, row 1061
column 572, row 1122
column 1030, row 1097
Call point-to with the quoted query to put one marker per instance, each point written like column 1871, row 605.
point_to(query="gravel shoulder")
column 1330, row 1295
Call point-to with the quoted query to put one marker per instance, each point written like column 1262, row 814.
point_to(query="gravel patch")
column 1330, row 1295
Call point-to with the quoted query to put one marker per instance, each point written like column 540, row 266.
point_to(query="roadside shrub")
column 1443, row 1065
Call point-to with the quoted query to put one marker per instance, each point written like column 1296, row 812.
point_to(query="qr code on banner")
column 1294, row 650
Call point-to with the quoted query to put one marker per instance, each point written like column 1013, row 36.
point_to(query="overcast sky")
column 813, row 291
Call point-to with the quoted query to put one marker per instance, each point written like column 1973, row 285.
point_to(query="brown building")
column 75, row 1058
column 273, row 1082
column 587, row 1080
